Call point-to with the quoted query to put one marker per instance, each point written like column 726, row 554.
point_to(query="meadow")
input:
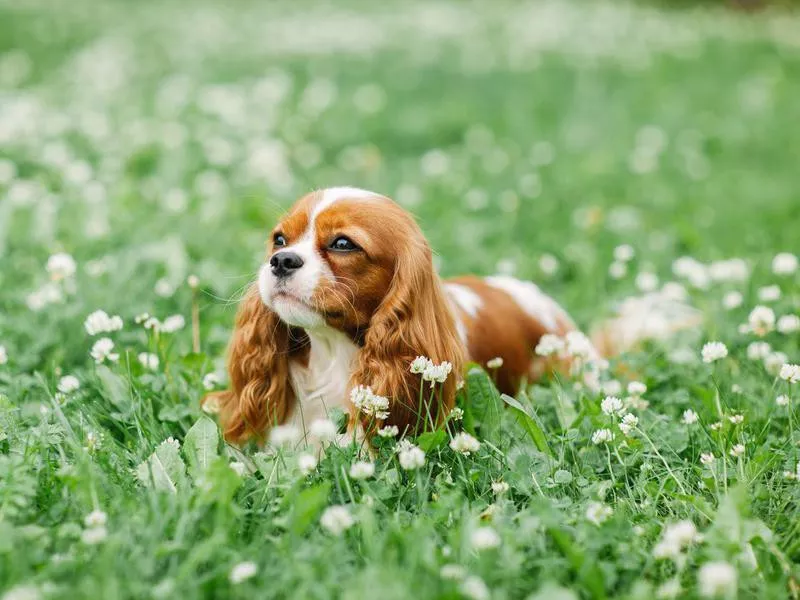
column 602, row 149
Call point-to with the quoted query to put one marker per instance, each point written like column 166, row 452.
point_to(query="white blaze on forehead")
column 334, row 194
column 532, row 300
column 465, row 298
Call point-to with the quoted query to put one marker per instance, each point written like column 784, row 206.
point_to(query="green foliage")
column 153, row 141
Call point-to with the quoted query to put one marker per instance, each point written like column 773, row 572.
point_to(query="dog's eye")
column 343, row 244
column 278, row 240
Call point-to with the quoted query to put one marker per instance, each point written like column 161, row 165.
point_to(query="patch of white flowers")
column 337, row 519
column 714, row 351
column 101, row 322
column 242, row 572
column 411, row 457
column 369, row 403
column 103, row 350
column 68, row 384
column 464, row 443
column 602, row 436
column 430, row 371
column 675, row 538
column 790, row 372
column 598, row 513
column 484, row 538
column 362, row 470
column 716, row 578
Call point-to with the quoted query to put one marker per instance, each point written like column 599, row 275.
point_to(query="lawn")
column 601, row 149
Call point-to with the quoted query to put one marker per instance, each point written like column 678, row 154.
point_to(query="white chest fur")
column 323, row 384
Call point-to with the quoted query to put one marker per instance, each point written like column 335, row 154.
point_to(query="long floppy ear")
column 258, row 367
column 413, row 320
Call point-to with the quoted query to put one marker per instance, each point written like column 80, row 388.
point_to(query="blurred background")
column 154, row 140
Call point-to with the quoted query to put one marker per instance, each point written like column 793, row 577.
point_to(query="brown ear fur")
column 413, row 320
column 258, row 367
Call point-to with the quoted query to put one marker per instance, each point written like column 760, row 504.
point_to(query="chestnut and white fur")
column 348, row 296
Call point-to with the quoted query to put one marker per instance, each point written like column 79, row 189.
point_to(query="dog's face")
column 332, row 258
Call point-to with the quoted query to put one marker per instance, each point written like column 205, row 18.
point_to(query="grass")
column 153, row 141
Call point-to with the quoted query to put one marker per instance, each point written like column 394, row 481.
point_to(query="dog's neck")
column 322, row 383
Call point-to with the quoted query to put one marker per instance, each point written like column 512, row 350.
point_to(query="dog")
column 348, row 312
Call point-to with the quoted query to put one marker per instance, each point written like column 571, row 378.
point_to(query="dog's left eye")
column 343, row 244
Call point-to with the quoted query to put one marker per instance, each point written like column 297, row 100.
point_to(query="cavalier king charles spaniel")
column 348, row 297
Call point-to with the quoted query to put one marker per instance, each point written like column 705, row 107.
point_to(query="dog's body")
column 349, row 298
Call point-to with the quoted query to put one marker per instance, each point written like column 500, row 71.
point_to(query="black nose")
column 285, row 263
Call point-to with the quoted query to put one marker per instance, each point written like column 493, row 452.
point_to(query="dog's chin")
column 295, row 312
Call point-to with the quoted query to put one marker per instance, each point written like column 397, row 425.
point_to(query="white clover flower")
column 324, row 430
column 3, row 355
column 617, row 270
column 736, row 419
column 769, row 293
column 737, row 450
column 624, row 253
column 707, row 458
column 93, row 441
column 670, row 589
column 28, row 592
column 369, row 403
column 474, row 588
column 100, row 322
column 49, row 293
column 550, row 344
column 151, row 323
column 495, row 363
column 646, row 282
column 173, row 323
column 452, row 572
column 611, row 388
column 499, row 488
column 419, row 364
column 163, row 288
column 675, row 538
column 548, row 264
column 672, row 290
column 193, row 281
column 484, row 538
column 713, row 351
column 94, row 535
column 790, row 372
column 774, row 362
column 628, row 423
column 578, row 345
column 716, row 578
column 238, row 467
column 758, row 350
column 437, row 373
column 689, row 417
column 411, row 457
column 602, row 436
column 211, row 405
column 362, row 470
column 782, row 400
column 464, row 443
column 788, row 324
column 734, row 269
column 68, row 384
column 61, row 266
column 457, row 414
column 282, row 435
column 597, row 512
column 715, row 426
column 96, row 518
column 210, row 381
column 784, row 263
column 148, row 360
column 337, row 519
column 611, row 405
column 242, row 572
column 102, row 351
column 389, row 431
column 732, row 300
column 636, row 388
column 761, row 320
column 306, row 463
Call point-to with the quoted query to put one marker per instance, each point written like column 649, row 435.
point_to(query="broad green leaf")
column 307, row 505
column 201, row 446
column 587, row 571
column 220, row 482
column 114, row 388
column 432, row 439
column 164, row 469
column 483, row 404
column 529, row 423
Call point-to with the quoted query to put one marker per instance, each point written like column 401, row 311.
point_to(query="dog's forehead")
column 308, row 208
